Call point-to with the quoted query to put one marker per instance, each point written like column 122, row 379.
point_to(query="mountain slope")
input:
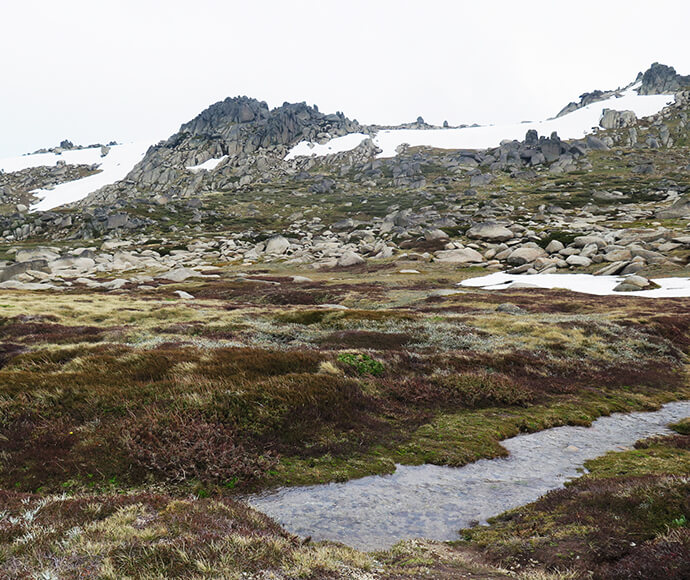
column 240, row 141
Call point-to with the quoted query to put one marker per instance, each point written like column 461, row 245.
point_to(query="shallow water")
column 435, row 502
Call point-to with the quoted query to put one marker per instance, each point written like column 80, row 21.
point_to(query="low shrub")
column 469, row 390
column 664, row 558
column 255, row 362
column 362, row 363
column 306, row 317
column 180, row 447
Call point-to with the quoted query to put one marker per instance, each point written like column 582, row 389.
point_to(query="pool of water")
column 435, row 502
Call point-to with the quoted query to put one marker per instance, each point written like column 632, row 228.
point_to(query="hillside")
column 275, row 299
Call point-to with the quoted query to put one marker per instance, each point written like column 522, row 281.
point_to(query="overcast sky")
column 95, row 70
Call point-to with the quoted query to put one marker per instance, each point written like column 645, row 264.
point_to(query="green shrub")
column 362, row 363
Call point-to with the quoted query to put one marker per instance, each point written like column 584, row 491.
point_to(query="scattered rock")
column 576, row 260
column 350, row 259
column 277, row 245
column 525, row 255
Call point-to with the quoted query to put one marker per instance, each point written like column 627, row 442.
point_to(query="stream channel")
column 434, row 502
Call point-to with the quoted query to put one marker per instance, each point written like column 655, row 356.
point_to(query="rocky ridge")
column 243, row 132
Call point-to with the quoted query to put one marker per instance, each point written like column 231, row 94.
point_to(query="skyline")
column 95, row 72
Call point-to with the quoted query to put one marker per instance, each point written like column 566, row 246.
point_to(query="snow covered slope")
column 114, row 166
column 575, row 125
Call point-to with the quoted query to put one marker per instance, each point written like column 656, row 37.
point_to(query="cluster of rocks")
column 517, row 250
column 661, row 79
column 662, row 130
column 251, row 142
column 94, row 267
column 505, row 246
column 588, row 99
column 516, row 158
column 46, row 268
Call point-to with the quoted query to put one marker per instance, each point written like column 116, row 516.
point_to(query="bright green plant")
column 362, row 363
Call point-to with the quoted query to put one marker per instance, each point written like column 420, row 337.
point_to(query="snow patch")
column 585, row 283
column 337, row 145
column 574, row 125
column 208, row 165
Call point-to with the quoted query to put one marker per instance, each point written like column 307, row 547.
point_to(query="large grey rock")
column 16, row 285
column 595, row 143
column 611, row 269
column 582, row 241
column 116, row 221
column 634, row 284
column 481, row 179
column 490, row 231
column 618, row 255
column 580, row 261
column 435, row 234
column 29, row 254
column 639, row 281
column 525, row 255
column 551, row 148
column 76, row 264
column 554, row 247
column 460, row 256
column 277, row 245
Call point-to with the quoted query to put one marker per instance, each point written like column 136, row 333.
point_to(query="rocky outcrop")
column 250, row 138
column 660, row 79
